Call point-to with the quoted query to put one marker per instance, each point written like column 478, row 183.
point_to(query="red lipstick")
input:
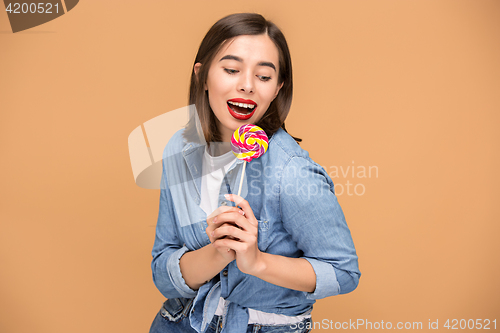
column 241, row 116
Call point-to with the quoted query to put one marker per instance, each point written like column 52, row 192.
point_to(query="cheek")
column 220, row 86
column 268, row 96
column 215, row 90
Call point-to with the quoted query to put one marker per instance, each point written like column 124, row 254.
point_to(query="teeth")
column 241, row 114
column 242, row 105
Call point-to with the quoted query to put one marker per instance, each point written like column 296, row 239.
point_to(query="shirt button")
column 223, row 203
column 224, row 273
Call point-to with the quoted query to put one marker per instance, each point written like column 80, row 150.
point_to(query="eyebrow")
column 262, row 63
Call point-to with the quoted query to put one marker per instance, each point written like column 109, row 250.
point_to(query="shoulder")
column 283, row 147
column 285, row 153
column 294, row 162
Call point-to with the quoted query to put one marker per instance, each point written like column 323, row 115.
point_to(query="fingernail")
column 227, row 196
column 213, row 232
column 241, row 212
column 215, row 219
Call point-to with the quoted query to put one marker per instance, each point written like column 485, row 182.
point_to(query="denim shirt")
column 293, row 199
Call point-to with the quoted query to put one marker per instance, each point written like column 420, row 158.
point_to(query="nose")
column 245, row 83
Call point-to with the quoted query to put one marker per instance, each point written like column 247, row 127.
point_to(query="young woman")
column 255, row 262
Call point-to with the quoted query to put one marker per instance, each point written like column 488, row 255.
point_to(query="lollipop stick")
column 242, row 175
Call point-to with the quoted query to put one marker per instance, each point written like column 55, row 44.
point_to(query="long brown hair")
column 226, row 28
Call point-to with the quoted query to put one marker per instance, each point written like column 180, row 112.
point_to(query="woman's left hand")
column 244, row 236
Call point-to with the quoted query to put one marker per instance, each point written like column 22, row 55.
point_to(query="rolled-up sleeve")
column 313, row 217
column 168, row 249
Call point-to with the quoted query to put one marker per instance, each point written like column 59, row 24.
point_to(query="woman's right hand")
column 228, row 254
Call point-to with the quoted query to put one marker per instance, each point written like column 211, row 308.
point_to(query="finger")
column 231, row 244
column 223, row 232
column 222, row 210
column 212, row 223
column 228, row 216
column 245, row 206
column 224, row 224
column 237, row 219
column 219, row 210
column 210, row 229
column 232, row 232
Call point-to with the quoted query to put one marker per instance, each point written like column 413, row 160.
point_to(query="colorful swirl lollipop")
column 248, row 142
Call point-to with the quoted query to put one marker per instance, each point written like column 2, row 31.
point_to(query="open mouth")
column 241, row 111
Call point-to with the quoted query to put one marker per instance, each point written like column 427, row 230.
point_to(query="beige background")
column 411, row 87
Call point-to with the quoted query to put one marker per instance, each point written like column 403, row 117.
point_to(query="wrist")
column 261, row 264
column 218, row 257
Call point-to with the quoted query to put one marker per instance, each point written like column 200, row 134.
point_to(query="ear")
column 278, row 90
column 197, row 69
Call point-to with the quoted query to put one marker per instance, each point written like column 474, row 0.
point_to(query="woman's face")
column 244, row 71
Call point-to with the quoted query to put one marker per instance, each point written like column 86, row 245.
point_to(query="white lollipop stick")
column 242, row 175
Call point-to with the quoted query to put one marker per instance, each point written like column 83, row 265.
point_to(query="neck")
column 219, row 148
column 225, row 134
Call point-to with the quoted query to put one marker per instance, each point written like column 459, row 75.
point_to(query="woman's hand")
column 226, row 253
column 239, row 232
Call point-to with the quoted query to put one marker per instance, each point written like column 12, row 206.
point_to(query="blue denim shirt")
column 293, row 199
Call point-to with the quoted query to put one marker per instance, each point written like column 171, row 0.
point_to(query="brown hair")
column 226, row 28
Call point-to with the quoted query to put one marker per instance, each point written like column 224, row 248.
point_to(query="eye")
column 265, row 78
column 230, row 71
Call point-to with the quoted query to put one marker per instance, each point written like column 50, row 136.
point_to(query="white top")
column 211, row 182
column 212, row 178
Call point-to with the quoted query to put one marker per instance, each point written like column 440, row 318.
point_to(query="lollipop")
column 248, row 142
